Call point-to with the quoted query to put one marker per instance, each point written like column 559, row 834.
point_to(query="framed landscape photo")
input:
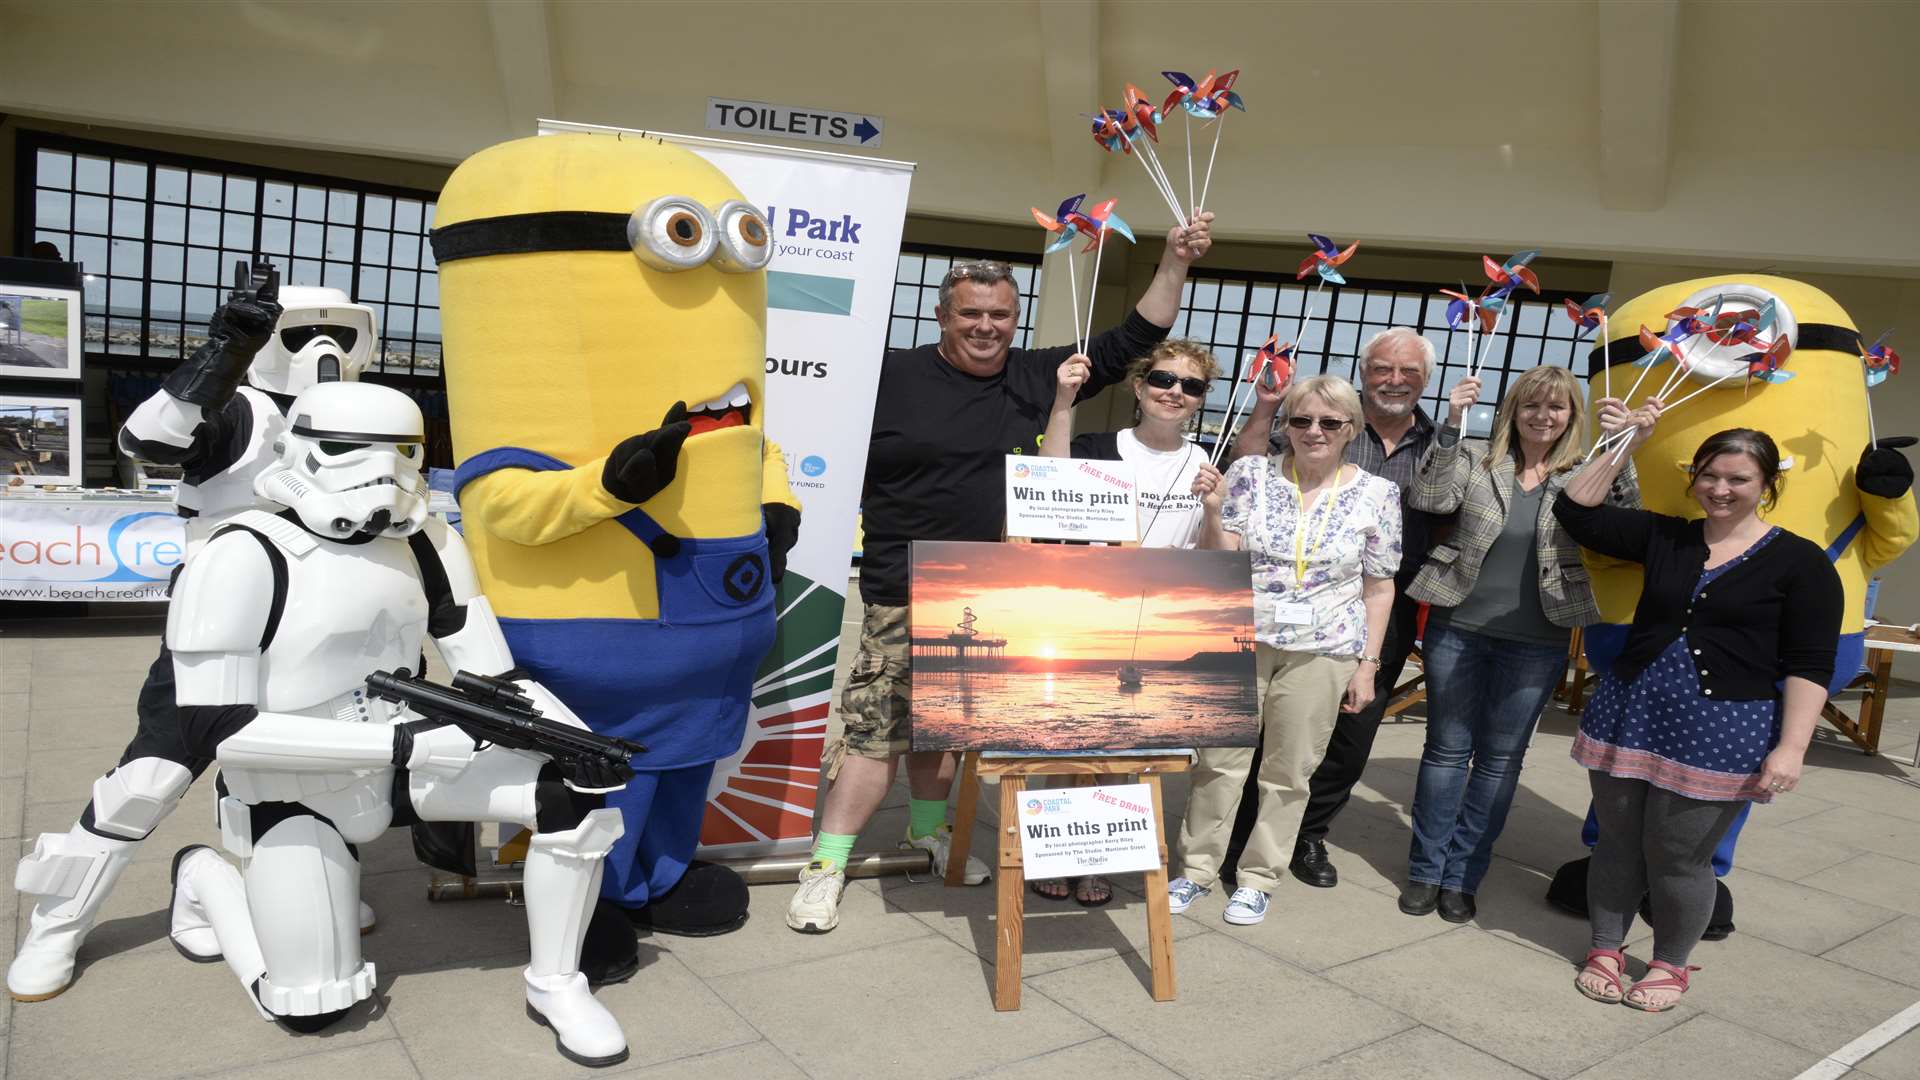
column 39, row 332
column 39, row 440
column 1076, row 649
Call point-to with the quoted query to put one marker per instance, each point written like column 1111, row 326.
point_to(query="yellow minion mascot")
column 1851, row 498
column 604, row 306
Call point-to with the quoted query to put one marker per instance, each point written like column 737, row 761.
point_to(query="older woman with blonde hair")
column 1504, row 593
column 1325, row 541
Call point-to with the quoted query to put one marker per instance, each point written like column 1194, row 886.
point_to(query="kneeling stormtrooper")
column 274, row 628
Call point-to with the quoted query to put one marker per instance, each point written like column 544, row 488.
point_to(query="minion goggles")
column 670, row 234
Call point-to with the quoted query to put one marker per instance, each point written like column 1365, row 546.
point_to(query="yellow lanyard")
column 1321, row 514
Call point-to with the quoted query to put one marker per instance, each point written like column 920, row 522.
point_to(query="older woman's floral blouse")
column 1351, row 531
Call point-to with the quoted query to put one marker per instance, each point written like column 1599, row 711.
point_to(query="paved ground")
column 1336, row 983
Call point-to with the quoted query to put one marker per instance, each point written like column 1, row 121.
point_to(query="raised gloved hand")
column 239, row 330
column 1883, row 469
column 433, row 748
column 642, row 466
column 783, row 531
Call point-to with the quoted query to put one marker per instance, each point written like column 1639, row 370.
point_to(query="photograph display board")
column 39, row 440
column 1044, row 647
column 39, row 332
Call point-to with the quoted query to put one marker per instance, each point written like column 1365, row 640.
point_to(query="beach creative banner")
column 1064, row 647
column 53, row 549
column 836, row 221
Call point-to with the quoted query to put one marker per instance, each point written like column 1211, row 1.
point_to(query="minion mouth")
column 731, row 409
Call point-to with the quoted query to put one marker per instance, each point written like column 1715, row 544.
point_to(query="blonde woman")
column 1504, row 594
column 1325, row 541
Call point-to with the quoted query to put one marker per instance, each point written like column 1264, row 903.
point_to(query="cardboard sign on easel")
column 1070, row 499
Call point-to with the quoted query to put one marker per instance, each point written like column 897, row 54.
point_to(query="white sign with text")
column 1067, row 832
column 1071, row 499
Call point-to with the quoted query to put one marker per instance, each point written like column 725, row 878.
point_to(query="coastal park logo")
column 1038, row 805
column 813, row 465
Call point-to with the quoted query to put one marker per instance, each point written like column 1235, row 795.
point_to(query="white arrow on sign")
column 794, row 122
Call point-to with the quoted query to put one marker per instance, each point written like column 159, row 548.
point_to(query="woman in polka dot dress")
column 1712, row 702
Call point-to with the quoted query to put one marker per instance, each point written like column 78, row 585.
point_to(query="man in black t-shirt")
column 945, row 417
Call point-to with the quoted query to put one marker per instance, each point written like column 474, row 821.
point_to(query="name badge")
column 1293, row 614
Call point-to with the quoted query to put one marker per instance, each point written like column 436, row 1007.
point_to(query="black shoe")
column 1456, row 906
column 708, row 900
column 1418, row 898
column 1311, row 866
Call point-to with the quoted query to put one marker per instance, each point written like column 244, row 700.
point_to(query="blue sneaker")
column 1246, row 907
column 1181, row 893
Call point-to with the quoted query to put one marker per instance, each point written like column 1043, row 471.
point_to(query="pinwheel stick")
column 1486, row 343
column 1606, row 369
column 1151, row 162
column 1873, row 437
column 1073, row 283
column 1300, row 331
column 1233, row 415
column 1704, row 389
column 1207, row 184
column 1190, row 198
column 1093, row 283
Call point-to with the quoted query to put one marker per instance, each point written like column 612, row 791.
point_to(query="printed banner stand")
column 1011, row 873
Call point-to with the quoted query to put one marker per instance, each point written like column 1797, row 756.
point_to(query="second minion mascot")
column 604, row 307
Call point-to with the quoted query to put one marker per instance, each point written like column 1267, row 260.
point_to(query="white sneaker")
column 1182, row 892
column 815, row 909
column 939, row 844
column 1246, row 907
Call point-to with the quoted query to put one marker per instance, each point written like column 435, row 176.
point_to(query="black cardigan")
column 1775, row 615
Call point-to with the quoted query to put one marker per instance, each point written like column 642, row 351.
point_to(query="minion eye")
column 672, row 233
column 745, row 245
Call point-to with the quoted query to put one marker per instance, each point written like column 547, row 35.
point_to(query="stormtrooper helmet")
column 321, row 337
column 350, row 463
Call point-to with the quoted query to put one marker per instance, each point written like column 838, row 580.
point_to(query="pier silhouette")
column 963, row 648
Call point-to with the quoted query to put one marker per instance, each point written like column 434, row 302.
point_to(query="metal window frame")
column 1029, row 299
column 1329, row 311
column 28, row 143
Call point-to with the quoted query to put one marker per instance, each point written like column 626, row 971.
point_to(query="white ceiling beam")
column 1639, row 50
column 1070, row 71
column 523, row 56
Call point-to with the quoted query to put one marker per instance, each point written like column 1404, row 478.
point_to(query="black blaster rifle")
column 494, row 710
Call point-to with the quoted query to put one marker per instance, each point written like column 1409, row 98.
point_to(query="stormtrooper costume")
column 274, row 627
column 222, row 434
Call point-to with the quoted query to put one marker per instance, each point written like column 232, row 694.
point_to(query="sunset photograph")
column 1068, row 647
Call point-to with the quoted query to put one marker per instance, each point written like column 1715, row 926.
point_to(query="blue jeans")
column 1484, row 695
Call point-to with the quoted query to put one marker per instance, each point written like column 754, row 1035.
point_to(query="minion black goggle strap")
column 1815, row 337
column 671, row 233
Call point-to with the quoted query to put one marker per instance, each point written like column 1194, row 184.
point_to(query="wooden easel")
column 1011, row 907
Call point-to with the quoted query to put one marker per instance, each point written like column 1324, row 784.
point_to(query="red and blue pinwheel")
column 1466, row 307
column 1504, row 277
column 1326, row 259
column 1881, row 360
column 1207, row 98
column 1070, row 221
column 1588, row 314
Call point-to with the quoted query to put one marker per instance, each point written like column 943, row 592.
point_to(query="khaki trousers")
column 1300, row 695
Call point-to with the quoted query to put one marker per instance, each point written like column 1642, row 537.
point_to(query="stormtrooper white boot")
column 72, row 873
column 561, row 881
column 209, row 920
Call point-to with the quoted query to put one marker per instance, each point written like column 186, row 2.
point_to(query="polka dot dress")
column 1663, row 729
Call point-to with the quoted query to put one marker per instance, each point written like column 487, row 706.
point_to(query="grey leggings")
column 1657, row 844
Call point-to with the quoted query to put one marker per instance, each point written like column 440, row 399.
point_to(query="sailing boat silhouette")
column 1130, row 676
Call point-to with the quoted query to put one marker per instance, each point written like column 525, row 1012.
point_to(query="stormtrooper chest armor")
column 350, row 610
column 210, row 502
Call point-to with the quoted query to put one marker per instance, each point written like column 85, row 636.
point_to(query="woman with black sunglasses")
column 1171, row 472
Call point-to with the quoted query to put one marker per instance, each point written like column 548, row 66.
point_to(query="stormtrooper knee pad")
column 131, row 800
column 303, row 887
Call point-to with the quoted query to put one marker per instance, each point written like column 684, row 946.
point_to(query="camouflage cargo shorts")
column 874, row 705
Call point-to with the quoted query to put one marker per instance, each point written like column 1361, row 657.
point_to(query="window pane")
column 130, row 179
column 91, row 252
column 164, row 301
column 430, row 289
column 305, row 272
column 129, row 258
column 206, row 189
column 406, row 250
column 276, row 235
column 373, row 284
column 92, row 174
column 406, row 215
column 124, row 296
column 307, row 238
column 378, row 211
column 200, row 305
column 203, row 227
column 1533, row 318
column 400, row 286
column 338, row 276
column 90, row 214
column 237, row 230
column 54, row 168
column 241, row 192
column 312, row 204
column 341, row 207
column 169, row 262
column 169, row 223
column 52, row 209
column 339, row 242
column 170, row 185
column 203, row 267
column 277, row 199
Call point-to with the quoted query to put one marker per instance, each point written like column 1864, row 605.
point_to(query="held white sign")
column 1067, row 832
column 1071, row 499
column 794, row 122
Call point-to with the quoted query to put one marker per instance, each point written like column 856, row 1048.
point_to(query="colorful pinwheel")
column 1466, row 307
column 1094, row 223
column 1881, row 360
column 1064, row 223
column 1589, row 314
column 1273, row 362
column 1121, row 130
column 1207, row 98
column 1325, row 260
column 1504, row 277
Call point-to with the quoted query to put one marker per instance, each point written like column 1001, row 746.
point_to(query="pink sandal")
column 1675, row 978
column 1612, row 994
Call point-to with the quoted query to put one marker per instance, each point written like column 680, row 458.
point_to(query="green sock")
column 925, row 816
column 833, row 848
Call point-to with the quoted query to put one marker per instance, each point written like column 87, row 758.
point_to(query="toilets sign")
column 794, row 122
